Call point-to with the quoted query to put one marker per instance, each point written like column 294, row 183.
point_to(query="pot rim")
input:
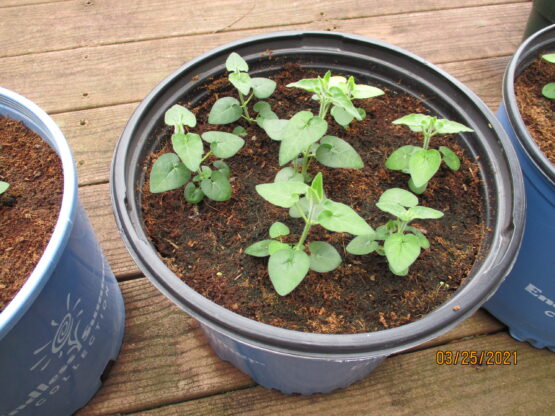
column 20, row 108
column 527, row 52
column 510, row 225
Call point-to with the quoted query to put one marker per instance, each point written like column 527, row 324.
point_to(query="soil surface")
column 537, row 111
column 204, row 244
column 29, row 208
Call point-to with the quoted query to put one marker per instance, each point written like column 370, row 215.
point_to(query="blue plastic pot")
column 526, row 300
column 299, row 362
column 65, row 324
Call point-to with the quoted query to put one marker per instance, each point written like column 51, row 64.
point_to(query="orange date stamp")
column 476, row 358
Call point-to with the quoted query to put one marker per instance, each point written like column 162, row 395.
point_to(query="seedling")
column 173, row 170
column 3, row 187
column 422, row 162
column 289, row 263
column 402, row 243
column 337, row 93
column 548, row 90
column 229, row 109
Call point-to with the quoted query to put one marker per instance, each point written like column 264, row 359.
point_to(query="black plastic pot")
column 541, row 15
column 526, row 300
column 300, row 362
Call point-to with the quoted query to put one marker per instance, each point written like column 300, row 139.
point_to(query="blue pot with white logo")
column 526, row 300
column 65, row 325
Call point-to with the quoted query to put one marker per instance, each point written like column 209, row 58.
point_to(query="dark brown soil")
column 29, row 208
column 204, row 244
column 537, row 111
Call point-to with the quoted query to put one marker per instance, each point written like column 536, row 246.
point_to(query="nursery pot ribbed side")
column 526, row 300
column 65, row 324
column 300, row 362
column 541, row 16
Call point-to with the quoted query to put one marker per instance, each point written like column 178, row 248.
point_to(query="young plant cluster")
column 302, row 139
column 548, row 89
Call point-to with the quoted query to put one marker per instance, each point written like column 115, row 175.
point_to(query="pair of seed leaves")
column 338, row 92
column 401, row 242
column 305, row 131
column 548, row 90
column 289, row 264
column 422, row 163
column 173, row 170
column 228, row 109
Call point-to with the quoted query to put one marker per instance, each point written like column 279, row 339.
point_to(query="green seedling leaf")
column 400, row 197
column 216, row 187
column 424, row 213
column 264, row 110
column 259, row 249
column 422, row 240
column 193, row 194
column 341, row 218
column 302, row 130
column 399, row 159
column 337, row 153
column 282, row 194
column 5, row 185
column 362, row 244
column 309, row 84
column 394, row 209
column 189, row 149
column 278, row 229
column 340, row 99
column 274, row 128
column 401, row 251
column 288, row 174
column 341, row 116
column 450, row 158
column 548, row 90
column 234, row 63
column 550, row 57
column 444, row 126
column 263, row 87
column 222, row 167
column 225, row 110
column 423, row 164
column 340, row 82
column 416, row 122
column 242, row 81
column 317, row 188
column 177, row 115
column 239, row 131
column 223, row 144
column 323, row 257
column 275, row 246
column 360, row 92
column 287, row 269
column 168, row 173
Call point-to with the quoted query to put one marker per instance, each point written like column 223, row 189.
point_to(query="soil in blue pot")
column 29, row 207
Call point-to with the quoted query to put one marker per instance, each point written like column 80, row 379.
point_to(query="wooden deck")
column 89, row 62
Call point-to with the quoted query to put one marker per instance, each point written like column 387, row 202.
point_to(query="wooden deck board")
column 98, row 76
column 409, row 384
column 104, row 56
column 104, row 22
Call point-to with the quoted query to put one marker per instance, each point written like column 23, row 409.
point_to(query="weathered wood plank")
column 92, row 134
column 165, row 357
column 411, row 384
column 35, row 3
column 97, row 204
column 116, row 74
column 102, row 22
